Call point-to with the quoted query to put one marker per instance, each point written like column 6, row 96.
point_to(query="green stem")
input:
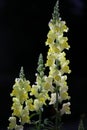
column 39, row 125
column 57, row 108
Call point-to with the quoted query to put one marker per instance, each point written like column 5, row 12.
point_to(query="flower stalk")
column 40, row 119
column 40, row 70
column 57, row 120
column 58, row 65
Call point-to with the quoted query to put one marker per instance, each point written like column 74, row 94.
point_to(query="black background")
column 23, row 32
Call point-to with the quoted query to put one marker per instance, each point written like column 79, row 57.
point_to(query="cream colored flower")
column 52, row 99
column 16, row 107
column 37, row 104
column 34, row 90
column 65, row 108
column 25, row 116
column 12, row 123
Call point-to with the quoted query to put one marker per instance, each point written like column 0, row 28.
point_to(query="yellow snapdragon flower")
column 37, row 105
column 48, row 84
column 12, row 123
column 56, row 61
column 30, row 105
column 16, row 107
column 54, row 48
column 50, row 59
column 25, row 116
column 52, row 99
column 23, row 96
column 34, row 90
column 65, row 108
column 63, row 96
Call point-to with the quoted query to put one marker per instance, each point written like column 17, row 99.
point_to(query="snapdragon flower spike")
column 38, row 89
column 56, row 58
column 20, row 106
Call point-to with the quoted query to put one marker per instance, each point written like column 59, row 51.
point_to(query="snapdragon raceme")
column 21, row 103
column 40, row 91
column 58, row 64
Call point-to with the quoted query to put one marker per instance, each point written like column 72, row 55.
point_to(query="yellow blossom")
column 12, row 123
column 51, row 34
column 15, row 92
column 50, row 61
column 25, row 116
column 57, row 77
column 48, row 84
column 65, row 108
column 34, row 90
column 17, row 111
column 51, row 25
column 49, row 41
column 29, row 104
column 27, row 87
column 65, row 69
column 16, row 107
column 25, row 119
column 52, row 99
column 37, row 104
column 42, row 100
column 64, row 96
column 65, row 45
column 23, row 96
column 55, row 49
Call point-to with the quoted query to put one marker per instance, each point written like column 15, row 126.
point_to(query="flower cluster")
column 58, row 65
column 51, row 87
column 21, row 102
column 57, row 62
column 27, row 98
column 39, row 89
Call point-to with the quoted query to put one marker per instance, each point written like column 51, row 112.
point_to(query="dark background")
column 23, row 32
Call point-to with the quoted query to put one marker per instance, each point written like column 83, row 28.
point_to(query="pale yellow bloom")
column 54, row 72
column 65, row 108
column 62, row 57
column 34, row 90
column 63, row 83
column 25, row 116
column 42, row 100
column 51, row 34
column 55, row 49
column 48, row 84
column 16, row 107
column 49, row 41
column 52, row 99
column 50, row 60
column 63, row 95
column 37, row 104
column 12, row 123
column 27, row 87
column 65, row 69
column 15, row 91
column 29, row 104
